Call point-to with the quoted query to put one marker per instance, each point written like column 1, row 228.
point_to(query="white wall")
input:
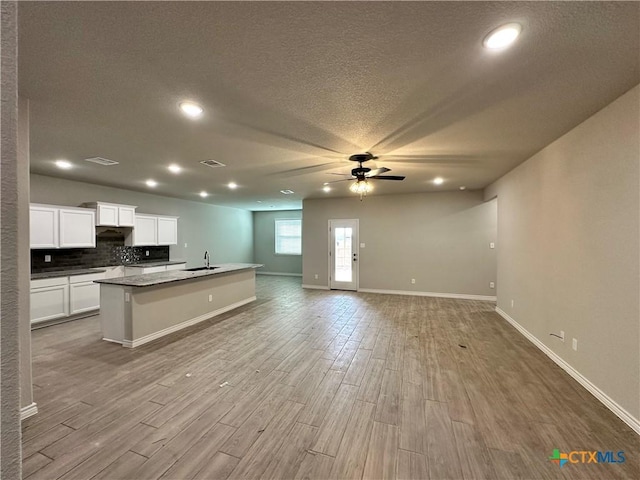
column 264, row 235
column 440, row 239
column 227, row 233
column 568, row 236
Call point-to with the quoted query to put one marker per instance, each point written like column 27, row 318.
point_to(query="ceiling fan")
column 362, row 174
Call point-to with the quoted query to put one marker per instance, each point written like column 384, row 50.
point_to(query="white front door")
column 343, row 254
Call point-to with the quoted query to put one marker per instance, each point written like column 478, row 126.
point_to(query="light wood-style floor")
column 315, row 384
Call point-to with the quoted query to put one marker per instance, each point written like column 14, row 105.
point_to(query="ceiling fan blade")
column 377, row 171
column 389, row 177
column 342, row 180
column 307, row 169
column 341, row 174
column 449, row 160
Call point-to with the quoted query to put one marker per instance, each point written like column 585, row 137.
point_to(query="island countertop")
column 159, row 278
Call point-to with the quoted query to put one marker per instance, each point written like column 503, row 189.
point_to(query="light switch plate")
column 47, row 258
column 362, row 245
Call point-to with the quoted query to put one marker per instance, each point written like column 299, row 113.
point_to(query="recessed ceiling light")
column 191, row 110
column 173, row 168
column 502, row 37
column 232, row 185
column 259, row 201
column 287, row 192
column 438, row 180
column 204, row 194
column 151, row 183
column 326, row 183
column 64, row 164
column 326, row 188
column 462, row 187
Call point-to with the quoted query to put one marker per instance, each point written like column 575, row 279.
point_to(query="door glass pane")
column 342, row 249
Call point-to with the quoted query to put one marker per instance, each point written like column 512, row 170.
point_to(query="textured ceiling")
column 290, row 90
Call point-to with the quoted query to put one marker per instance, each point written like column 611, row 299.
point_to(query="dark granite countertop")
column 155, row 264
column 151, row 279
column 66, row 273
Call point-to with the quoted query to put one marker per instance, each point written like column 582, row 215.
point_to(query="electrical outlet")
column 492, row 245
column 492, row 284
column 316, row 276
column 211, row 298
column 185, row 245
column 47, row 258
column 574, row 344
column 146, row 253
column 413, row 281
column 562, row 335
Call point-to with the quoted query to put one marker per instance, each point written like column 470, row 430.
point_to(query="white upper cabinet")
column 167, row 230
column 145, row 231
column 43, row 226
column 61, row 227
column 152, row 230
column 113, row 214
column 77, row 228
column 126, row 216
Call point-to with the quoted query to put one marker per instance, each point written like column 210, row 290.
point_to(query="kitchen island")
column 137, row 309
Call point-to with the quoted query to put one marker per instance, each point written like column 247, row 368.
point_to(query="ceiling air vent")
column 212, row 163
column 102, row 161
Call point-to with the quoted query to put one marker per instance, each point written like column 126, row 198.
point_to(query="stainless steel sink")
column 197, row 269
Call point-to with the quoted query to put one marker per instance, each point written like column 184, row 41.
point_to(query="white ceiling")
column 290, row 90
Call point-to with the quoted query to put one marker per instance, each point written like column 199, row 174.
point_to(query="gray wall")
column 264, row 243
column 12, row 291
column 568, row 222
column 227, row 233
column 440, row 239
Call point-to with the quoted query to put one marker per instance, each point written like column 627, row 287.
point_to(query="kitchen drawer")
column 49, row 282
column 89, row 277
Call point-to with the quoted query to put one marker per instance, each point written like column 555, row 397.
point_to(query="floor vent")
column 101, row 161
column 212, row 163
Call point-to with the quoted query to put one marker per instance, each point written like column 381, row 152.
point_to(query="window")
column 289, row 237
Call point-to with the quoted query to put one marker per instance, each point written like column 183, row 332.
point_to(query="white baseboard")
column 315, row 287
column 607, row 401
column 280, row 274
column 28, row 411
column 187, row 323
column 462, row 296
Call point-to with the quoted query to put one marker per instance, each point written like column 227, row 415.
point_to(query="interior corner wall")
column 226, row 233
column 264, row 240
column 568, row 232
column 24, row 254
column 440, row 239
column 10, row 436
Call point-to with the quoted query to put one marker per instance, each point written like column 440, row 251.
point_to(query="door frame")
column 355, row 249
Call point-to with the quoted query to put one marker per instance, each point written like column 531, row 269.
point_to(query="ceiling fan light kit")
column 361, row 187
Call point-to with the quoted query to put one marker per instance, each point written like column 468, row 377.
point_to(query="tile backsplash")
column 110, row 250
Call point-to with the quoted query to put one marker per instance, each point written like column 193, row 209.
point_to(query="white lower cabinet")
column 60, row 297
column 84, row 295
column 49, row 303
column 113, row 272
column 160, row 268
column 177, row 266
